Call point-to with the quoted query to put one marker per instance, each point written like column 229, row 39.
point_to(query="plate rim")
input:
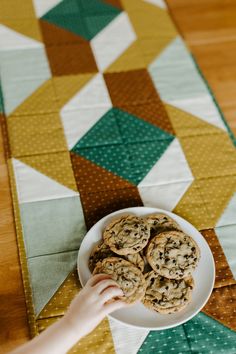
column 159, row 210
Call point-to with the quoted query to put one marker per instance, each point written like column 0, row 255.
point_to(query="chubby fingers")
column 110, row 293
column 103, row 284
column 96, row 279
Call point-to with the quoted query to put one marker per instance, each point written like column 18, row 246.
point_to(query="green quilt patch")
column 83, row 17
column 124, row 144
column 201, row 335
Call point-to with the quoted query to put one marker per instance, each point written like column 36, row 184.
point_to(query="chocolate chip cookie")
column 127, row 235
column 160, row 223
column 102, row 251
column 167, row 295
column 136, row 259
column 128, row 277
column 173, row 254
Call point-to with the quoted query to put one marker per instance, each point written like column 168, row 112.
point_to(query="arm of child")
column 85, row 312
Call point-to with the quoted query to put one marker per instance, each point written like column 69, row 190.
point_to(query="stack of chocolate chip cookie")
column 150, row 258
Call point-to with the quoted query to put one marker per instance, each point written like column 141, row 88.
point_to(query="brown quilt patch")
column 91, row 178
column 222, row 306
column 130, row 87
column 99, row 204
column 224, row 275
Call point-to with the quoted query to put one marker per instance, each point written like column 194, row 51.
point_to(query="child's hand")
column 85, row 312
column 90, row 305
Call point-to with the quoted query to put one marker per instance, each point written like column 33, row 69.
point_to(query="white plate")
column 138, row 315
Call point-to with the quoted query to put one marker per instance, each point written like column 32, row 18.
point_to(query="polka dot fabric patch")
column 187, row 124
column 222, row 306
column 43, row 100
column 152, row 112
column 66, row 86
column 191, row 207
column 132, row 161
column 99, row 341
column 210, row 155
column 56, row 166
column 92, row 178
column 63, row 59
column 62, row 298
column 130, row 87
column 199, row 335
column 224, row 275
column 97, row 205
column 124, row 145
column 35, row 134
column 216, row 193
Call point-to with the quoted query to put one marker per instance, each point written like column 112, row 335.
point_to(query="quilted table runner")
column 103, row 107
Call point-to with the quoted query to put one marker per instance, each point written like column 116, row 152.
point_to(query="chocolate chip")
column 193, row 249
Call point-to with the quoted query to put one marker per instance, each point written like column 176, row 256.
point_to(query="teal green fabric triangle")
column 162, row 342
column 82, row 17
column 206, row 335
column 201, row 335
column 124, row 144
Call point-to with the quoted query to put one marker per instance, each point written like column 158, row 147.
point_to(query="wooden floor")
column 209, row 27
